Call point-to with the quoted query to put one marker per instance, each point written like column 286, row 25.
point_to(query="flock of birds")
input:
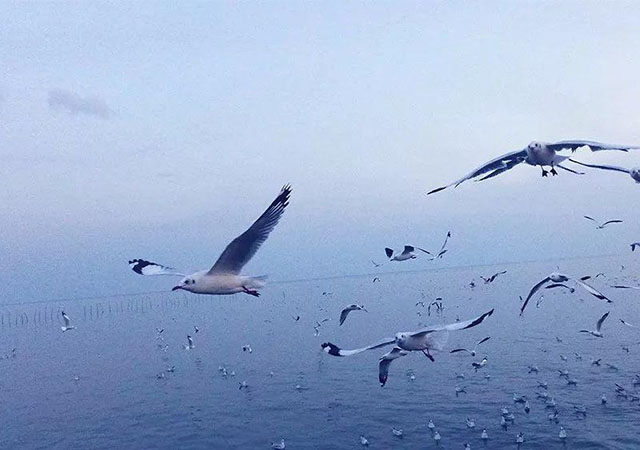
column 224, row 278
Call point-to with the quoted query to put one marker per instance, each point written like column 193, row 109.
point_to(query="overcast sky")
column 162, row 130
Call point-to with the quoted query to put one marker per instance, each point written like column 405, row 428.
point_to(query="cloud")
column 76, row 105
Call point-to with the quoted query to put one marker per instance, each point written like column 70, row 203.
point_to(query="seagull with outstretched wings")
column 224, row 277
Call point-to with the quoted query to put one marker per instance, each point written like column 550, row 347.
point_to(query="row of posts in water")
column 47, row 314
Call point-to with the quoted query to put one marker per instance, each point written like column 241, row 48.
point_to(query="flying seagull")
column 472, row 352
column 493, row 277
column 443, row 249
column 601, row 226
column 407, row 253
column 626, row 323
column 345, row 312
column 535, row 154
column 224, row 277
column 561, row 278
column 67, row 323
column 597, row 332
column 633, row 172
column 424, row 340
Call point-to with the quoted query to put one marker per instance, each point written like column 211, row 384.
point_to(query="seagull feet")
column 553, row 171
column 428, row 355
column 250, row 291
column 544, row 172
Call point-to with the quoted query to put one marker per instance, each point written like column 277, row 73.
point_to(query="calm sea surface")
column 106, row 383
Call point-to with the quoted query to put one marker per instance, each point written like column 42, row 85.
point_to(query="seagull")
column 397, row 432
column 527, row 407
column 424, row 340
column 375, row 264
column 533, row 369
column 604, row 224
column 603, row 399
column 278, row 446
column 461, row 390
column 519, row 398
column 563, row 434
column 493, row 277
column 363, row 441
column 247, row 348
column 437, row 437
column 520, row 438
column 633, row 172
column 472, row 352
column 243, row 385
column 597, row 332
column 443, row 249
column 634, row 245
column 479, row 365
column 431, row 425
column 189, row 345
column 67, row 323
column 627, row 323
column 345, row 312
column 470, row 423
column 224, row 277
column 407, row 253
column 484, row 435
column 561, row 278
column 535, row 154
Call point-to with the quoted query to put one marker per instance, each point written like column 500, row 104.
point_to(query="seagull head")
column 188, row 283
column 635, row 174
column 534, row 146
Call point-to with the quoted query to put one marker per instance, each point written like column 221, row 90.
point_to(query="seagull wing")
column 385, row 362
column 594, row 146
column 593, row 291
column 456, row 350
column 610, row 221
column 602, row 319
column 627, row 323
column 590, row 218
column 423, row 250
column 408, row 249
column 343, row 315
column 533, row 291
column 453, row 326
column 66, row 319
column 483, row 340
column 334, row 350
column 389, row 252
column 601, row 166
column 444, row 244
column 144, row 267
column 500, row 164
column 242, row 248
column 622, row 286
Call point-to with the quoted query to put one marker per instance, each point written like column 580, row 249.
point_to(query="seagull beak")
column 175, row 288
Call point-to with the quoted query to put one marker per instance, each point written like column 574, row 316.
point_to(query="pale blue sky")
column 162, row 130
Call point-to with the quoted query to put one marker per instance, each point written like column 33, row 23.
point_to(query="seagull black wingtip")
column 331, row 349
column 437, row 190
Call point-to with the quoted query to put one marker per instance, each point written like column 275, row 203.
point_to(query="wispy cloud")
column 77, row 105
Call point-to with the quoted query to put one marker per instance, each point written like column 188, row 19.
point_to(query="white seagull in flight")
column 633, row 172
column 556, row 277
column 472, row 351
column 407, row 253
column 597, row 332
column 67, row 323
column 424, row 340
column 345, row 312
column 602, row 225
column 224, row 277
column 535, row 154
